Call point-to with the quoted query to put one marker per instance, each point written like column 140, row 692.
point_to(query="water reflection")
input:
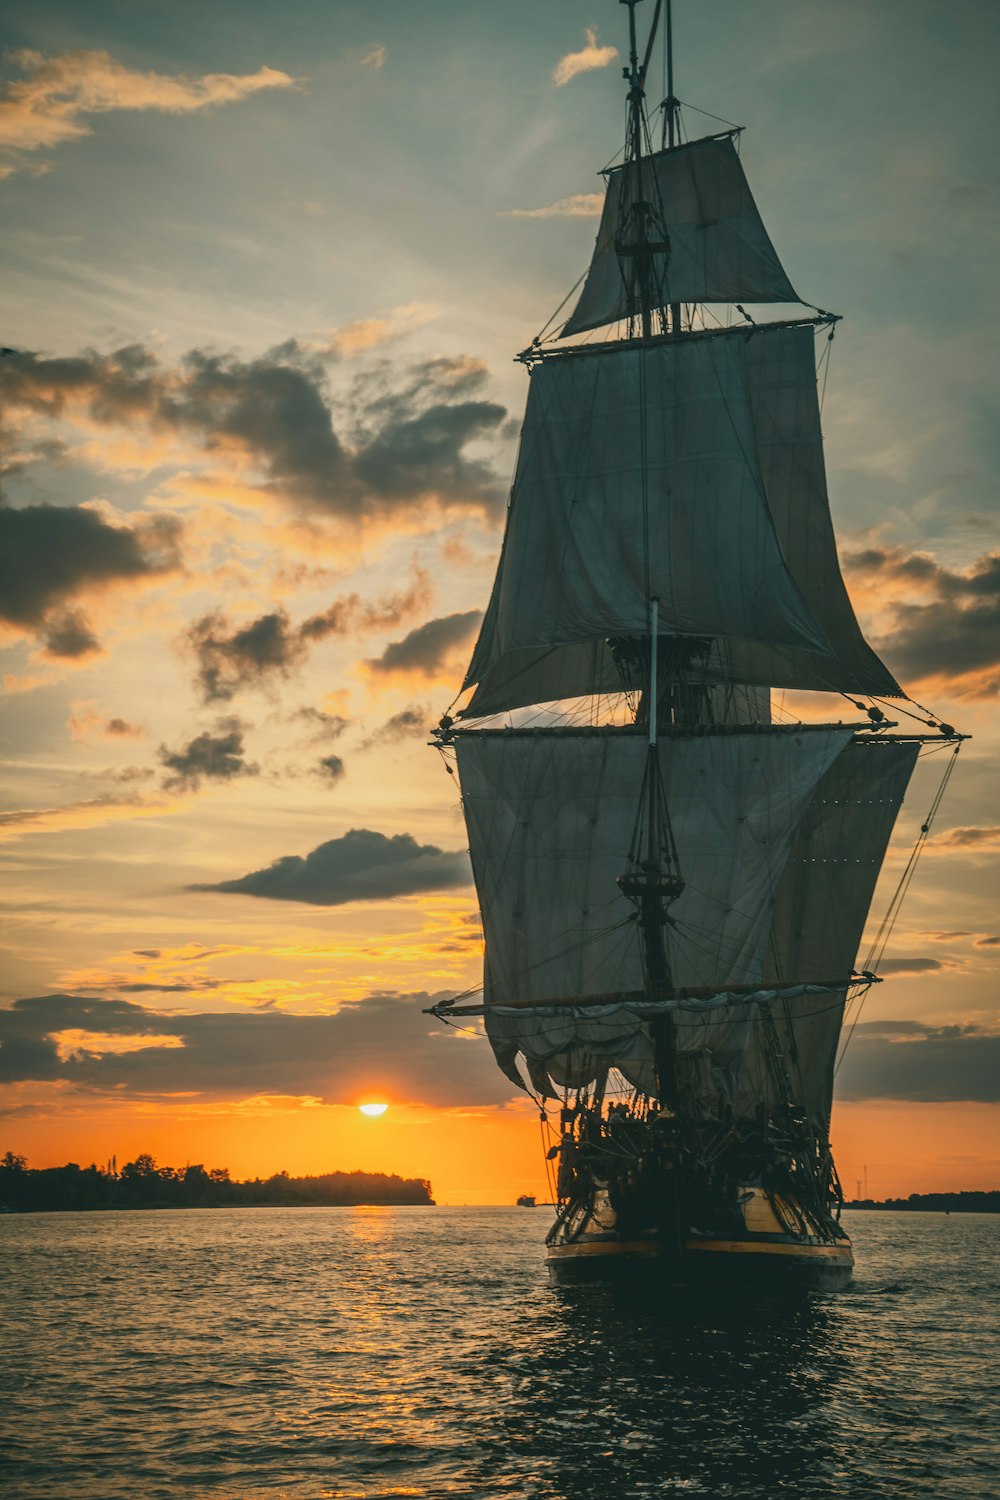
column 620, row 1395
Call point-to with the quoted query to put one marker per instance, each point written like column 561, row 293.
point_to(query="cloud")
column 87, row 722
column 974, row 840
column 589, row 57
column 422, row 453
column 121, row 1048
column 911, row 966
column 944, row 624
column 362, row 865
column 69, row 635
column 987, row 942
column 410, row 721
column 425, row 651
column 92, row 813
column 324, row 726
column 375, row 57
column 331, row 769
column 244, row 657
column 267, row 424
column 213, row 757
column 50, row 102
column 351, row 613
column 370, row 333
column 253, row 655
column 912, row 1060
column 51, row 554
column 579, row 206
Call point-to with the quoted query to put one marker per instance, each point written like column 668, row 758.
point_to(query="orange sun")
column 373, row 1109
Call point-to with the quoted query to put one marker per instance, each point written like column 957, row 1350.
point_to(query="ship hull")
column 777, row 1264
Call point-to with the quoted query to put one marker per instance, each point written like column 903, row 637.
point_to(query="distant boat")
column 526, row 1200
column 674, row 878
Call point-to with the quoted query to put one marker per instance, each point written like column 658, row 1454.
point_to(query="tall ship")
column 675, row 871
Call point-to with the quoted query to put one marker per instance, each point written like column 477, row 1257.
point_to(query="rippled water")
column 348, row 1353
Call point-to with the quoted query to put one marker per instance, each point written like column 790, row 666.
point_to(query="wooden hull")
column 774, row 1264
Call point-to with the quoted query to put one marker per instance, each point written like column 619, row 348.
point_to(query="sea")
column 335, row 1354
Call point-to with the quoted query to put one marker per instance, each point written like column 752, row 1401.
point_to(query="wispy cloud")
column 52, row 99
column 579, row 206
column 87, row 722
column 369, row 333
column 92, row 813
column 375, row 57
column 585, row 61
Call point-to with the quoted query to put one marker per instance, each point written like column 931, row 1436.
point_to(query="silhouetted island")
column 937, row 1203
column 143, row 1184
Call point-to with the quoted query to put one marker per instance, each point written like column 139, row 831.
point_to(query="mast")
column 648, row 884
column 671, row 122
column 636, row 77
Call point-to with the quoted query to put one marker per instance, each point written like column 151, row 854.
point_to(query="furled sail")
column 550, row 817
column 741, row 542
column 707, row 241
column 726, row 1066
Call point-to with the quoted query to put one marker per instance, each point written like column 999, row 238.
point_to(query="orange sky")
column 486, row 1156
column 259, row 421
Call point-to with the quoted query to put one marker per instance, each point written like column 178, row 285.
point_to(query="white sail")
column 550, row 818
column 777, row 373
column 710, row 243
column 639, row 478
column 822, row 901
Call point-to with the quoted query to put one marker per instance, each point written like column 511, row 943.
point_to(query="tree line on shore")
column 936, row 1203
column 144, row 1184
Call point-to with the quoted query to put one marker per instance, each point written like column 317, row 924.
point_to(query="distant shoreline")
column 142, row 1184
column 975, row 1202
column 155, row 1208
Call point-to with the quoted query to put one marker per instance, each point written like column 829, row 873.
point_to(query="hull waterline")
column 777, row 1264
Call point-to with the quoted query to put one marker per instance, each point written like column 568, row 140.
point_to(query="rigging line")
column 825, row 359
column 579, row 281
column 884, row 933
column 708, row 114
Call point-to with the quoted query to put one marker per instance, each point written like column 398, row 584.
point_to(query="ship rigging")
column 674, row 880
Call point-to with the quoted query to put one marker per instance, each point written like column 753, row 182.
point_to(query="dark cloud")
column 410, row 721
column 985, row 838
column 423, row 455
column 212, row 757
column 362, row 865
column 324, row 726
column 383, row 1044
column 51, row 554
column 69, row 634
column 408, row 442
column 331, row 769
column 912, row 1060
column 351, row 613
column 229, row 660
column 954, row 633
column 427, row 648
column 911, row 965
column 987, row 942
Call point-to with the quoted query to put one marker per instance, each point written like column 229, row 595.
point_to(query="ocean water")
column 342, row 1353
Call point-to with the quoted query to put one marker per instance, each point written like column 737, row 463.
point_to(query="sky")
column 264, row 271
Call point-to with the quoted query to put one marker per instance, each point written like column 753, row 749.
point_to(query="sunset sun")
column 373, row 1109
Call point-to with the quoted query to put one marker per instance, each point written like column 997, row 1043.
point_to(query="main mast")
column 652, row 881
